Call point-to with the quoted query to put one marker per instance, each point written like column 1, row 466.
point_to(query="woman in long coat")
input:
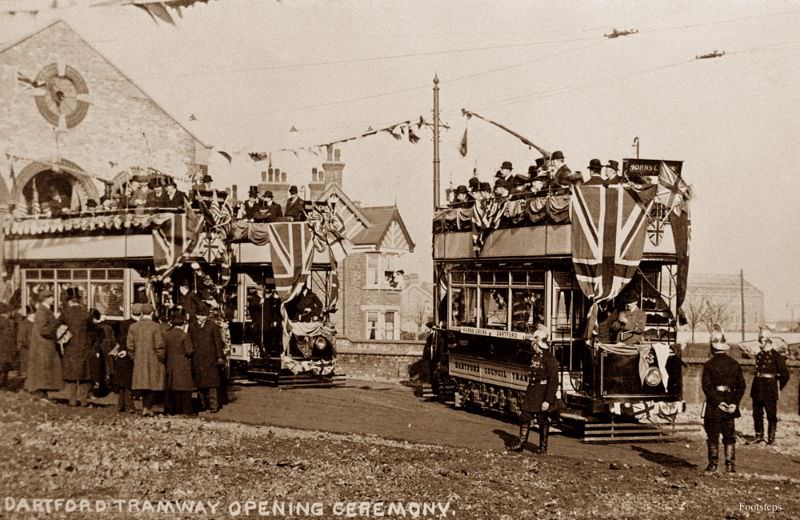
column 540, row 397
column 44, row 361
column 179, row 354
column 146, row 344
column 78, row 352
column 208, row 356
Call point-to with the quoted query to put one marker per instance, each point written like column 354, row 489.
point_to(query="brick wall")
column 119, row 115
column 379, row 360
column 693, row 389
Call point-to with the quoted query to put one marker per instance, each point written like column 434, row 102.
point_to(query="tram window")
column 64, row 274
column 116, row 274
column 563, row 310
column 519, row 278
column 139, row 292
column 82, row 288
column 97, row 274
column 32, row 274
column 495, row 308
column 48, row 274
column 471, row 277
column 107, row 298
column 458, row 277
column 527, row 309
column 487, row 278
column 501, row 277
column 465, row 306
column 80, row 274
column 536, row 278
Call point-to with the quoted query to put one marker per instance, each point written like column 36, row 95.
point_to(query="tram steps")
column 628, row 432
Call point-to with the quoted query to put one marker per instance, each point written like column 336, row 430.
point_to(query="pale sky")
column 251, row 69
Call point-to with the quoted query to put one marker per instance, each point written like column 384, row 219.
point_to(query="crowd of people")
column 550, row 175
column 160, row 192
column 81, row 355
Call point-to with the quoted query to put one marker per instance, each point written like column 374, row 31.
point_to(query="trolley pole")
column 435, row 142
column 741, row 297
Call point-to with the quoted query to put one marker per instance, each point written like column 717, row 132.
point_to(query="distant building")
column 721, row 294
column 416, row 307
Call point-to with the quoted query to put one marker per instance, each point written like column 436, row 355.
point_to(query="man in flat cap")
column 295, row 206
column 268, row 211
column 723, row 385
column 146, row 345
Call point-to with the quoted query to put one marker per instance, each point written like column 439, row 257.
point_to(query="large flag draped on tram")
column 291, row 253
column 608, row 233
column 175, row 238
column 486, row 216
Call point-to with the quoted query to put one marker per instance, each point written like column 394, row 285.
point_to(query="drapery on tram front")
column 602, row 264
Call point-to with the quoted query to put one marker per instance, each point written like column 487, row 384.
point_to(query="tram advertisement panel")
column 638, row 168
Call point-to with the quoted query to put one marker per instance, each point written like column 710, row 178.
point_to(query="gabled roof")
column 14, row 43
column 335, row 189
column 381, row 218
column 722, row 281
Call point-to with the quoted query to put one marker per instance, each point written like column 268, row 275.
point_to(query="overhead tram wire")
column 419, row 87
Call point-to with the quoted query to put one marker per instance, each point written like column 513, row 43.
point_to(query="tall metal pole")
column 741, row 297
column 435, row 142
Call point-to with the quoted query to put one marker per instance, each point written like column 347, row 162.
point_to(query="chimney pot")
column 337, row 154
column 330, row 153
column 314, row 169
column 263, row 176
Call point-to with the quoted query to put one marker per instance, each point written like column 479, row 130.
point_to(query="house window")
column 373, row 270
column 372, row 325
column 389, row 327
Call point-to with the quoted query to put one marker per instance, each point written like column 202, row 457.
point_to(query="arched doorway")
column 41, row 182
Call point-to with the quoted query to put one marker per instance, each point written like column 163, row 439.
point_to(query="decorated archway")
column 40, row 181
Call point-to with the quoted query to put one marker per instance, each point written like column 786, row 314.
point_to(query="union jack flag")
column 486, row 216
column 676, row 189
column 291, row 252
column 608, row 232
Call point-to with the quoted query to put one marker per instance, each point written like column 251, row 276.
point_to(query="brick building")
column 74, row 122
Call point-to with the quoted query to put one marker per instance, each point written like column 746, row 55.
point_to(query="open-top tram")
column 243, row 270
column 600, row 264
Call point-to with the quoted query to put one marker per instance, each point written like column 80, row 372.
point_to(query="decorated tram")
column 257, row 277
column 602, row 265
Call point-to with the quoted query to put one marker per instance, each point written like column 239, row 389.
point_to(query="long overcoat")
column 179, row 360
column 542, row 383
column 8, row 343
column 44, row 361
column 208, row 348
column 146, row 344
column 79, row 352
column 723, row 382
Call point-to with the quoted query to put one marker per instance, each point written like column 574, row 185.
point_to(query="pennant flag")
column 157, row 11
column 226, row 155
column 291, row 252
column 608, row 232
column 463, row 148
column 412, row 137
column 256, row 156
column 682, row 234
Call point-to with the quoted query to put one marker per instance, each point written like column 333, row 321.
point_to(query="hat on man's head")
column 474, row 183
column 207, row 178
column 252, row 191
column 461, row 189
column 498, row 174
column 293, row 190
column 136, row 308
column 614, row 165
column 268, row 194
column 485, row 186
column 147, row 308
column 533, row 170
column 500, row 183
column 540, row 162
column 506, row 165
column 595, row 165
column 177, row 317
column 202, row 309
column 558, row 154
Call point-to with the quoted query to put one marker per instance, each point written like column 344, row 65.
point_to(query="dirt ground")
column 380, row 453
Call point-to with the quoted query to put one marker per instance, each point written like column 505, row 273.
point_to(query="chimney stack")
column 333, row 167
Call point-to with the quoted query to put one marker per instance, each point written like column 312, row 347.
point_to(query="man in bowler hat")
column 295, row 206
